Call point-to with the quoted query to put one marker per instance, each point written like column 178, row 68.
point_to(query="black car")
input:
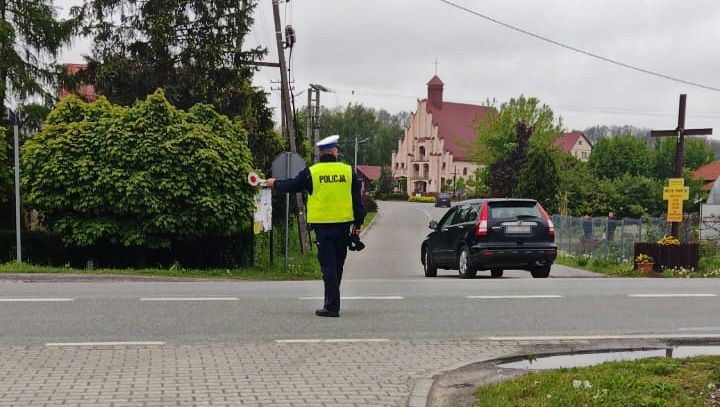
column 491, row 234
column 442, row 200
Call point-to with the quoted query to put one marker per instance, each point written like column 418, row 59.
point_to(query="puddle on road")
column 589, row 359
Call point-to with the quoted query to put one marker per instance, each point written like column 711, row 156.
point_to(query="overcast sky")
column 381, row 53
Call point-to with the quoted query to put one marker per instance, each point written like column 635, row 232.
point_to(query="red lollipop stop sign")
column 254, row 179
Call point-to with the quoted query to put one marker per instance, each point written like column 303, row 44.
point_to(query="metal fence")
column 613, row 239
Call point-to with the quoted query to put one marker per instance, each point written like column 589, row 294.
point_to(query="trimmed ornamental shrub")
column 422, row 199
column 395, row 196
column 146, row 176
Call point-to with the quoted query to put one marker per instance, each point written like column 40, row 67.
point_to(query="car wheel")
column 496, row 273
column 428, row 265
column 465, row 269
column 540, row 272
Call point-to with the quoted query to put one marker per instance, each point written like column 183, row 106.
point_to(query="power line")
column 578, row 109
column 575, row 49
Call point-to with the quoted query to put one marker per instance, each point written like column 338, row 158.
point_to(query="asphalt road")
column 386, row 297
column 229, row 312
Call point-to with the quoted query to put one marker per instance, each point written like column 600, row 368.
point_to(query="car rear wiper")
column 525, row 217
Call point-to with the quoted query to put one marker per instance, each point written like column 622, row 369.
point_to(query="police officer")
column 333, row 206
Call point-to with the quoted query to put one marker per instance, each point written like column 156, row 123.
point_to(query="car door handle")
column 461, row 227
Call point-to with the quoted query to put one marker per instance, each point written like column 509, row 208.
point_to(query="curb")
column 422, row 388
column 372, row 222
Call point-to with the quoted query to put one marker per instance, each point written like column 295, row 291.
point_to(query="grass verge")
column 368, row 218
column 647, row 382
column 614, row 269
column 299, row 268
column 606, row 267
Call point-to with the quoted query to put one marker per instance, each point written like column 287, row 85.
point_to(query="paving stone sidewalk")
column 249, row 374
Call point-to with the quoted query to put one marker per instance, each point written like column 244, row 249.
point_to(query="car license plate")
column 517, row 229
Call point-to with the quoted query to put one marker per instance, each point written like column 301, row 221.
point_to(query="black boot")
column 325, row 313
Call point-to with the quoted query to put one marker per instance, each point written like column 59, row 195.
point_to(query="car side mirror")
column 433, row 225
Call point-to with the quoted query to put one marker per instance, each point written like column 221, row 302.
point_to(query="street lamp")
column 356, row 148
column 15, row 121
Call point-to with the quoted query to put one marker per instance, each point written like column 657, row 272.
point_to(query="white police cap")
column 328, row 142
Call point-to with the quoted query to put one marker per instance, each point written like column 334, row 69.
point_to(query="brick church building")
column 436, row 143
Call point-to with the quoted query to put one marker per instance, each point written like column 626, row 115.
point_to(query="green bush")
column 147, row 176
column 395, row 196
column 422, row 199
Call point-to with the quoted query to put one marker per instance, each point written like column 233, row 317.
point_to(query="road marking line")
column 190, row 299
column 36, row 299
column 598, row 337
column 331, row 340
column 670, row 295
column 497, row 297
column 56, row 344
column 386, row 297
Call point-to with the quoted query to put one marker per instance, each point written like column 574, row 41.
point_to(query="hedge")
column 45, row 248
column 423, row 199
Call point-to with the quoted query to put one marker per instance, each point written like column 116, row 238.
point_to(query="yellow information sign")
column 676, row 182
column 675, row 193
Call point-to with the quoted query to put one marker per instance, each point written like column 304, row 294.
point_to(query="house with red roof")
column 574, row 143
column 437, row 141
column 708, row 173
column 367, row 174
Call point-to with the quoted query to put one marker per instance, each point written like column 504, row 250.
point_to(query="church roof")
column 456, row 125
column 435, row 81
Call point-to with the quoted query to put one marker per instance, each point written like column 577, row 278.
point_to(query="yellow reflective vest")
column 331, row 198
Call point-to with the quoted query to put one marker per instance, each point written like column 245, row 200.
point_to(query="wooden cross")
column 679, row 133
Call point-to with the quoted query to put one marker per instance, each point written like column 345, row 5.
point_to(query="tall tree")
column 504, row 174
column 697, row 153
column 382, row 129
column 497, row 133
column 580, row 189
column 194, row 50
column 540, row 178
column 616, row 156
column 31, row 35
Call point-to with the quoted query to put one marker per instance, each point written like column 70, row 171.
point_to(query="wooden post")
column 289, row 124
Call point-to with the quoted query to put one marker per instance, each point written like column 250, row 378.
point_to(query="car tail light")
column 482, row 225
column 551, row 226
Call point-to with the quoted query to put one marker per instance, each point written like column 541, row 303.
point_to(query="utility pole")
column 287, row 118
column 15, row 121
column 314, row 114
column 356, row 149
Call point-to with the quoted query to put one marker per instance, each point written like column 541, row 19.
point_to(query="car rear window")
column 513, row 209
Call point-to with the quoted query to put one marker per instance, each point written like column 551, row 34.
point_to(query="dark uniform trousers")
column 332, row 243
